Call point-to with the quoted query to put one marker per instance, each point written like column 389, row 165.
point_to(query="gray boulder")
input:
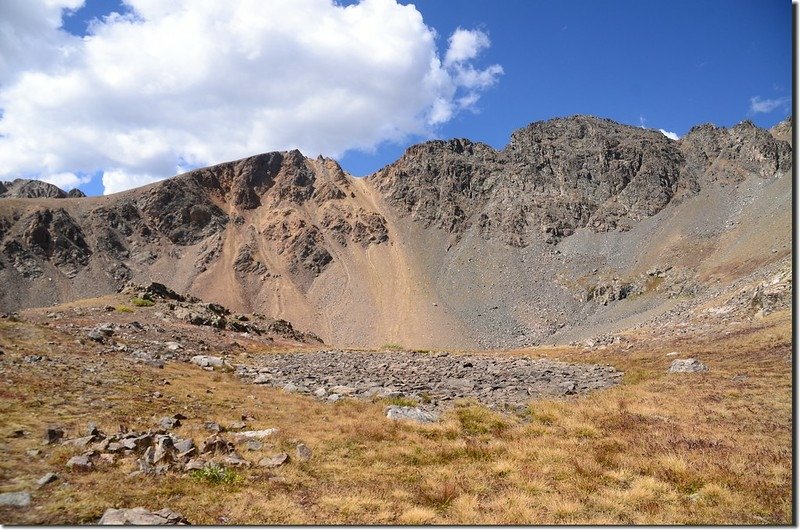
column 687, row 366
column 80, row 463
column 47, row 479
column 17, row 499
column 275, row 461
column 395, row 412
column 205, row 361
column 141, row 516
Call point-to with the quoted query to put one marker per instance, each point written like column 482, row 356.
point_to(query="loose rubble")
column 431, row 380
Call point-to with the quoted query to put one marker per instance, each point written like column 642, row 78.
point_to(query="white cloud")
column 66, row 181
column 195, row 82
column 465, row 45
column 670, row 135
column 116, row 180
column 768, row 105
column 30, row 36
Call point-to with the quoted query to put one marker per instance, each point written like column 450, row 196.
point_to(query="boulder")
column 80, row 463
column 244, row 435
column 395, row 412
column 52, row 435
column 47, row 479
column 303, row 452
column 141, row 516
column 687, row 366
column 275, row 461
column 16, row 499
column 205, row 361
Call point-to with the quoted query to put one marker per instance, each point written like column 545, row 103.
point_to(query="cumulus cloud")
column 66, row 181
column 116, row 180
column 30, row 35
column 465, row 45
column 669, row 134
column 187, row 83
column 758, row 105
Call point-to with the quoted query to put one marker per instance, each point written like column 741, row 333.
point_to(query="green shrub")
column 392, row 346
column 142, row 302
column 124, row 309
column 215, row 474
column 402, row 401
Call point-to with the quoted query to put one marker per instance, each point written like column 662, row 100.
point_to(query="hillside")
column 577, row 228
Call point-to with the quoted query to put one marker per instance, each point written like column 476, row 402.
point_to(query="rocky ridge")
column 456, row 244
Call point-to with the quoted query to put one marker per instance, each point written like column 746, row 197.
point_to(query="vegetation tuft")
column 142, row 302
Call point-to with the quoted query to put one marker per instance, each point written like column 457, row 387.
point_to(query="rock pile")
column 428, row 379
column 157, row 451
column 195, row 311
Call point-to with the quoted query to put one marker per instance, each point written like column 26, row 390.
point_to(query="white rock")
column 395, row 412
column 207, row 361
column 687, row 365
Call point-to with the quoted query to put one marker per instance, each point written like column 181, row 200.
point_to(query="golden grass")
column 659, row 449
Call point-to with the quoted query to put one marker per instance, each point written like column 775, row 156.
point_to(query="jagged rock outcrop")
column 563, row 174
column 31, row 189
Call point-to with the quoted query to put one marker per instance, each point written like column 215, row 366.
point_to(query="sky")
column 109, row 95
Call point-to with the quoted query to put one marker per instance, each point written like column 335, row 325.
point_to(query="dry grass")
column 659, row 449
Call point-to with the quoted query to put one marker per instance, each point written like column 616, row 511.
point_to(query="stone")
column 47, row 479
column 395, row 412
column 320, row 392
column 275, row 461
column 237, row 425
column 80, row 463
column 164, row 450
column 213, row 426
column 141, row 516
column 342, row 390
column 262, row 379
column 291, row 387
column 169, row 423
column 206, row 361
column 217, row 445
column 254, row 445
column 195, row 464
column 333, row 398
column 303, row 452
column 236, row 460
column 80, row 442
column 687, row 366
column 567, row 387
column 183, row 446
column 244, row 435
column 16, row 499
column 52, row 435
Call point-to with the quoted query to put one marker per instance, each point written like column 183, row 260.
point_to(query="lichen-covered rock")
column 395, row 412
column 687, row 366
column 141, row 516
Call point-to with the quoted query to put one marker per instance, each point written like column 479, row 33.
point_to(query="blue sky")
column 665, row 65
column 671, row 64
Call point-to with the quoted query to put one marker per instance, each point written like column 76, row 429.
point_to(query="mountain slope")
column 456, row 244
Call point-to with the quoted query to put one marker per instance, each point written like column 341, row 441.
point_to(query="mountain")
column 578, row 227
